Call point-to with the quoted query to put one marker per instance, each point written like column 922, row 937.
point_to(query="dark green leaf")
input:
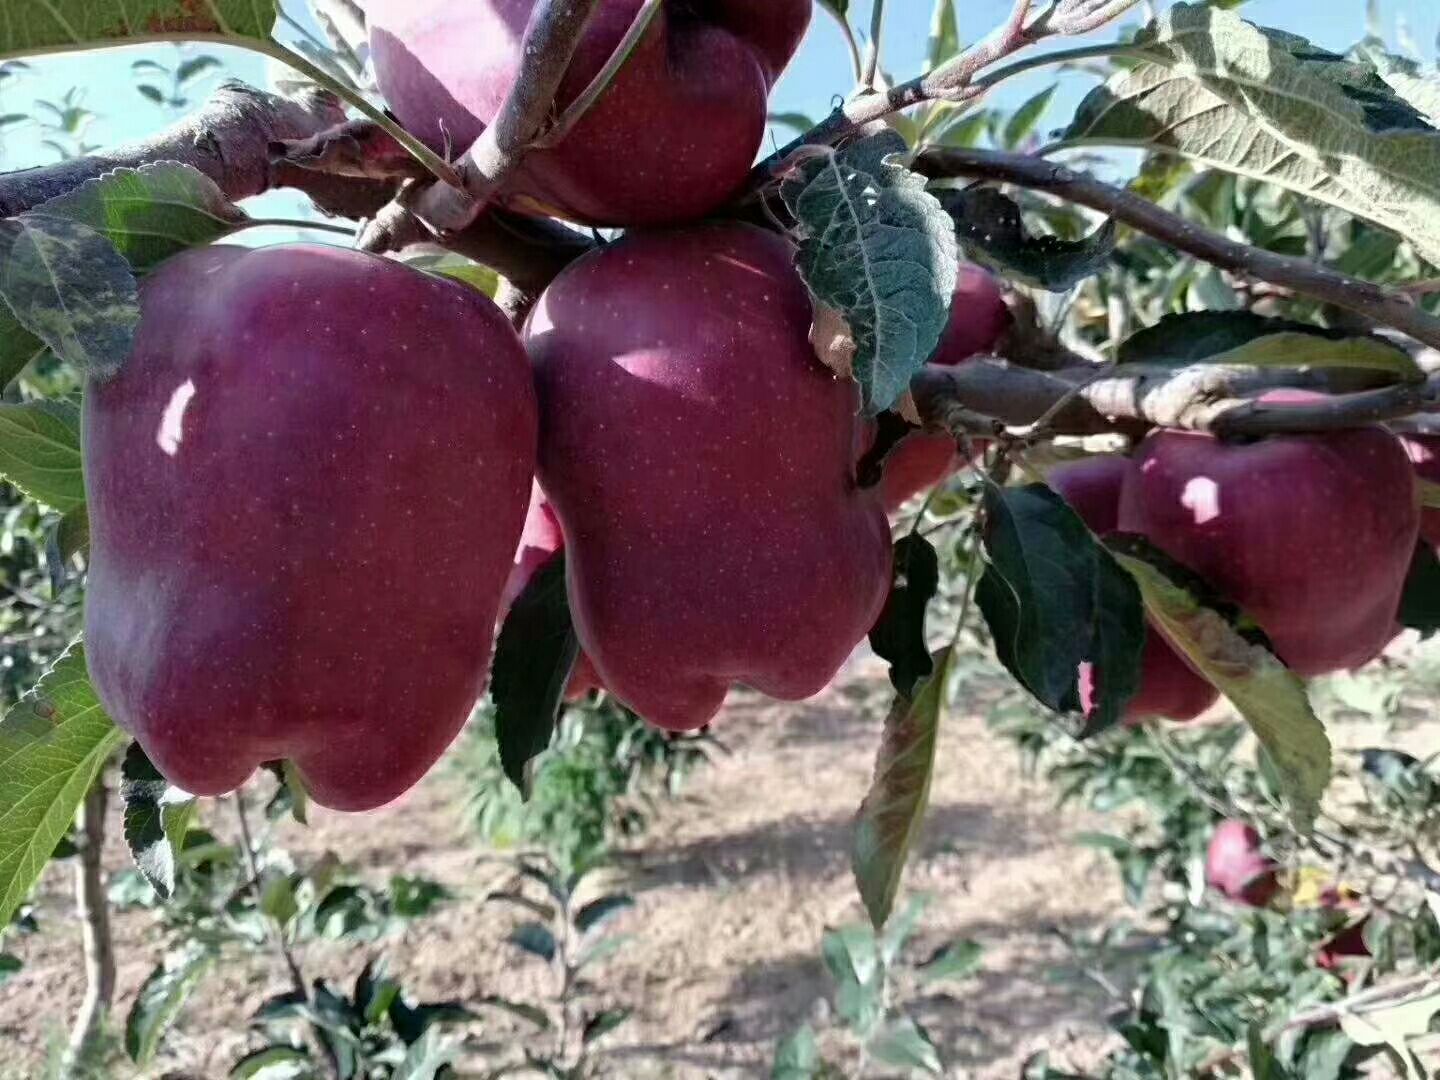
column 602, row 1023
column 893, row 810
column 992, row 231
column 1420, row 602
column 157, row 816
column 67, row 285
column 53, row 743
column 17, row 346
column 796, row 120
column 534, row 657
column 277, row 899
column 194, row 67
column 1053, row 599
column 9, row 965
column 600, row 911
column 161, row 997
column 545, row 911
column 40, row 451
column 1023, row 120
column 899, row 636
column 151, row 212
column 1267, row 694
column 878, row 252
column 534, row 939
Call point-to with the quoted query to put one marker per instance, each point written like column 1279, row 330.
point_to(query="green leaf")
column 958, row 960
column 1023, row 120
column 17, row 346
column 904, row 1044
column 9, row 965
column 601, row 911
column 1193, row 337
column 272, row 1063
column 161, row 997
column 63, row 25
column 40, row 451
column 851, row 955
column 1420, row 602
column 1271, row 106
column 152, row 212
column 427, row 1056
column 449, row 264
column 899, row 635
column 67, row 285
column 944, row 41
column 878, row 251
column 893, row 810
column 1054, row 598
column 798, row 1056
column 602, row 1023
column 1267, row 694
column 53, row 743
column 157, row 816
column 534, row 657
column 72, row 536
column 992, row 232
column 531, row 1014
column 534, row 939
column 277, row 899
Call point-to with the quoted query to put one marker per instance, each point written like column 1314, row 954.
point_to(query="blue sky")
column 819, row 72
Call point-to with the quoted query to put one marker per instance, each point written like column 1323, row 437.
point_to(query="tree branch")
column 1301, row 275
column 228, row 140
column 93, row 910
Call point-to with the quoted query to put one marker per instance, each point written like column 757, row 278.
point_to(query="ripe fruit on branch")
column 669, row 140
column 540, row 540
column 1237, row 868
column 305, row 488
column 1168, row 687
column 978, row 316
column 1312, row 535
column 702, row 463
column 1424, row 453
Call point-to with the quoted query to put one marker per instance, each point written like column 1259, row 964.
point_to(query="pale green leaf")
column 40, row 451
column 161, row 997
column 39, row 26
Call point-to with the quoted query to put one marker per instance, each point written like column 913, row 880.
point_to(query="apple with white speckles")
column 978, row 317
column 1312, row 535
column 702, row 461
column 305, row 489
column 671, row 138
column 1169, row 687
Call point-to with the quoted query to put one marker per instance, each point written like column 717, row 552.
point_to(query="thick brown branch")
column 1073, row 401
column 1302, row 276
column 228, row 140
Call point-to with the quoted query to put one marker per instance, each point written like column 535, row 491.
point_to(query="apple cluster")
column 323, row 477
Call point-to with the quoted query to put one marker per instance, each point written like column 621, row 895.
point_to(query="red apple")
column 672, row 137
column 1312, row 535
column 702, row 464
column 1169, row 687
column 1237, row 867
column 978, row 316
column 1424, row 453
column 305, row 487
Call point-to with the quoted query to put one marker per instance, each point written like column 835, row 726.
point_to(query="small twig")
column 316, row 1036
column 1301, row 275
column 93, row 910
column 872, row 48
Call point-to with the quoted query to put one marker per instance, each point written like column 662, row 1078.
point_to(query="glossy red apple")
column 1237, row 867
column 672, row 137
column 1312, row 535
column 1169, row 687
column 305, row 487
column 702, row 464
column 978, row 316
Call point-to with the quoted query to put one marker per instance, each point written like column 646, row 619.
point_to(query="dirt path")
column 735, row 883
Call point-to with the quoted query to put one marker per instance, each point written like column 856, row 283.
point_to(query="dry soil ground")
column 735, row 883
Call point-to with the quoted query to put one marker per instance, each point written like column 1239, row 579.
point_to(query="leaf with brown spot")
column 71, row 25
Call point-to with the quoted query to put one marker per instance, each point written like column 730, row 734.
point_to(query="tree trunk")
column 94, row 916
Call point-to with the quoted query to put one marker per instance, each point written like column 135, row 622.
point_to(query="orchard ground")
column 733, row 893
